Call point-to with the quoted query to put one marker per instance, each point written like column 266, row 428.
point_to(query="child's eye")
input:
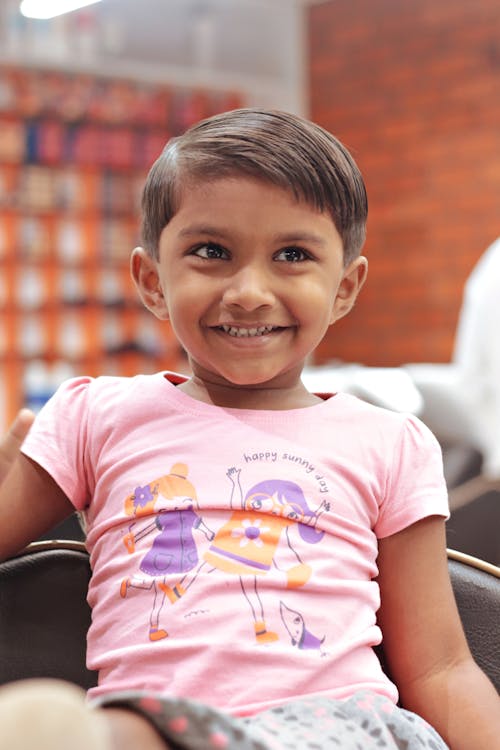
column 292, row 255
column 210, row 251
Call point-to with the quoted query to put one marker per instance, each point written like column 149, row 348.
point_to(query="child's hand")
column 11, row 443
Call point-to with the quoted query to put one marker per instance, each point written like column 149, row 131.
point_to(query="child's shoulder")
column 109, row 391
column 354, row 407
column 377, row 422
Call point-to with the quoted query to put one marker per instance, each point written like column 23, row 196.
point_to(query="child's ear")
column 144, row 270
column 353, row 279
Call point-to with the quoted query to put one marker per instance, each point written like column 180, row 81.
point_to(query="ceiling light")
column 51, row 8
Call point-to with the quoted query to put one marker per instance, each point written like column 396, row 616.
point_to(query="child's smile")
column 248, row 337
column 250, row 280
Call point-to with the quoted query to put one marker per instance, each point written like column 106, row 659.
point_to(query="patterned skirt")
column 365, row 721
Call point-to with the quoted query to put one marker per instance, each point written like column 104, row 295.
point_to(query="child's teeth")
column 246, row 332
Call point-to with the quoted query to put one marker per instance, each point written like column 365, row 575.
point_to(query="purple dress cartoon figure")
column 168, row 505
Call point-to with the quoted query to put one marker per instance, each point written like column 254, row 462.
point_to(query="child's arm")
column 424, row 642
column 30, row 501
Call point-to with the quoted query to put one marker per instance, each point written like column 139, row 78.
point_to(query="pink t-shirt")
column 234, row 551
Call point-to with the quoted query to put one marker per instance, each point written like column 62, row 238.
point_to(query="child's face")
column 250, row 280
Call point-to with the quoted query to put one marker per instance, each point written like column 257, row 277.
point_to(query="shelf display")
column 74, row 153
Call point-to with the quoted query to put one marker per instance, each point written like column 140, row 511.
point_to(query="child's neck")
column 249, row 397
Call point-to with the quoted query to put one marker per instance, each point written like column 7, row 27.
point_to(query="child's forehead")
column 194, row 187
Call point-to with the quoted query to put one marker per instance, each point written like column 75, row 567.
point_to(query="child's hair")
column 276, row 147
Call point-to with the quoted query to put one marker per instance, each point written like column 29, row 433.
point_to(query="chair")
column 44, row 615
column 476, row 585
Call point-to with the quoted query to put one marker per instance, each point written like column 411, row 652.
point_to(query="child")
column 242, row 530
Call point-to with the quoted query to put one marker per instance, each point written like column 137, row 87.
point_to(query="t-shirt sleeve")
column 415, row 484
column 57, row 440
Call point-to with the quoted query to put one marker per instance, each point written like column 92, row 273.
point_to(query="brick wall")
column 412, row 87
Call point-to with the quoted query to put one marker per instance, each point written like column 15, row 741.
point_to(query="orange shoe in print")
column 263, row 635
column 124, row 587
column 157, row 634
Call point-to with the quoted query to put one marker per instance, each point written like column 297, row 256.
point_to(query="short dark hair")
column 277, row 147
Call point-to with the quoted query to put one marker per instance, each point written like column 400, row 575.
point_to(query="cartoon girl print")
column 246, row 544
column 171, row 498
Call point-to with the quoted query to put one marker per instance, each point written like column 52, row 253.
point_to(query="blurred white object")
column 462, row 400
column 50, row 8
column 390, row 387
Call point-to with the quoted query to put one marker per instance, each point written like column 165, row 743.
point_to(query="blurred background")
column 412, row 87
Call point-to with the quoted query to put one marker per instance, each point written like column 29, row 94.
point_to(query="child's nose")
column 249, row 288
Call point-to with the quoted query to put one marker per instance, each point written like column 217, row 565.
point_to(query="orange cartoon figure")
column 247, row 543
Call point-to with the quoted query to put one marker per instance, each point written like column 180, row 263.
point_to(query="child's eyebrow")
column 288, row 238
column 197, row 229
column 308, row 238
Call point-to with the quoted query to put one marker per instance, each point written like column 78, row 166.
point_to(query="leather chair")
column 44, row 615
